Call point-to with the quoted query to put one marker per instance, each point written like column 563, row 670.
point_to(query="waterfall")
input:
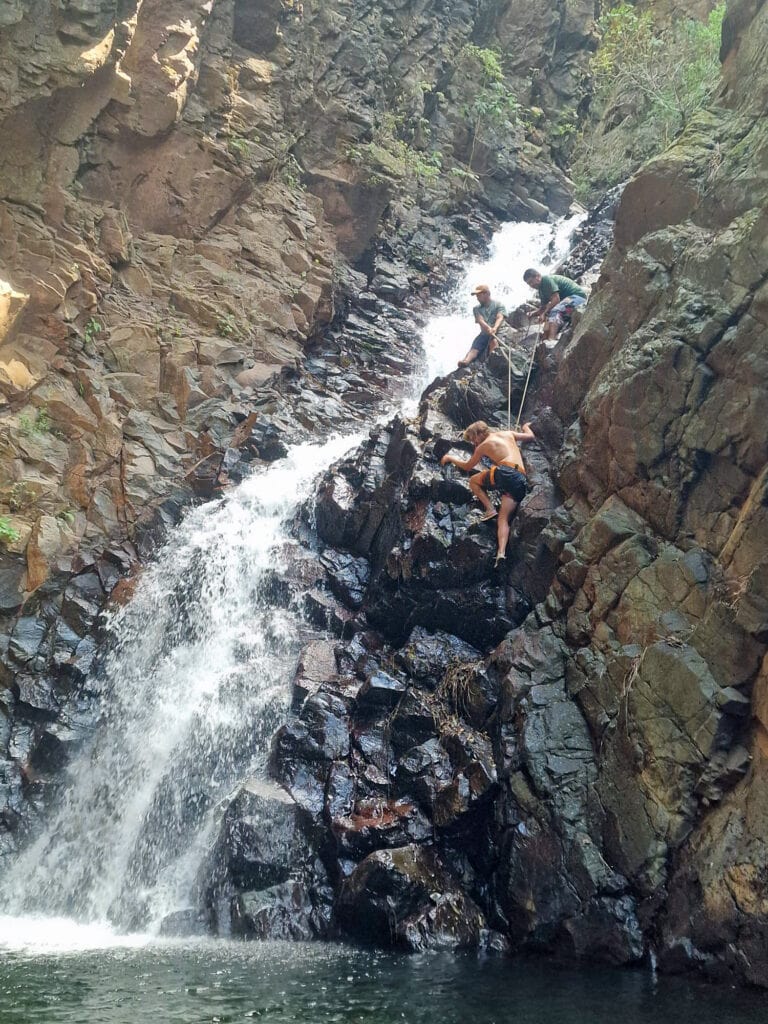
column 198, row 672
column 195, row 683
column 513, row 249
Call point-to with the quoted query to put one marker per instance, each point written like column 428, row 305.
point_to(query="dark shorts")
column 480, row 344
column 507, row 480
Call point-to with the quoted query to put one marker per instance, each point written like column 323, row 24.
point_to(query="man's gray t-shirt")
column 489, row 312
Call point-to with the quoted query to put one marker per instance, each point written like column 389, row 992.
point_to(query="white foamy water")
column 513, row 249
column 196, row 681
column 194, row 685
column 46, row 935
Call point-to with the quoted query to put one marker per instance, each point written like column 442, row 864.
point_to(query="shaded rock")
column 423, row 772
column 413, row 722
column 183, row 924
column 376, row 824
column 263, row 837
column 380, row 691
column 609, row 933
column 426, row 656
column 405, row 898
column 348, row 576
column 282, row 911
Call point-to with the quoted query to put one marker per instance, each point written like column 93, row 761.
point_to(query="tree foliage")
column 493, row 106
column 648, row 83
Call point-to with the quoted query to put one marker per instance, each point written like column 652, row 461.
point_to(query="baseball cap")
column 481, row 288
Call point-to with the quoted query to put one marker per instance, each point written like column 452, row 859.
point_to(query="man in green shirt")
column 558, row 297
column 489, row 316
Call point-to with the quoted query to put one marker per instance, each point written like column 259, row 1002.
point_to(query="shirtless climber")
column 489, row 316
column 558, row 297
column 506, row 475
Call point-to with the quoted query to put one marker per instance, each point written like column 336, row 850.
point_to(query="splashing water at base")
column 513, row 249
column 192, row 690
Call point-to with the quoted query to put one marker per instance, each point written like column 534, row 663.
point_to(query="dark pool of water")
column 321, row 984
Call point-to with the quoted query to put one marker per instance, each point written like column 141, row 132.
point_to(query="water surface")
column 277, row 983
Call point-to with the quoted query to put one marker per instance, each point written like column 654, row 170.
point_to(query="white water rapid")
column 196, row 681
column 513, row 249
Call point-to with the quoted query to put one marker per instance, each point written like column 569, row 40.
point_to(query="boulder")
column 405, row 898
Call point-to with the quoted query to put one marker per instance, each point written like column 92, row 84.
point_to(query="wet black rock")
column 406, row 898
column 426, row 655
column 290, row 910
column 266, row 878
column 379, row 823
column 348, row 576
column 380, row 690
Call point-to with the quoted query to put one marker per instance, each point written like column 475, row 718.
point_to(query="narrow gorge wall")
column 594, row 787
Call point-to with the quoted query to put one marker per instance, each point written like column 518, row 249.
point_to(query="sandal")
column 486, row 516
column 499, row 558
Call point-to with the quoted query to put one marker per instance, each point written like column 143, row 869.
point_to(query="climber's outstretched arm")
column 471, row 462
column 526, row 434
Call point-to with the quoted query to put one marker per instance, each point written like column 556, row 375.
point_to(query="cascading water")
column 513, row 249
column 198, row 675
column 193, row 687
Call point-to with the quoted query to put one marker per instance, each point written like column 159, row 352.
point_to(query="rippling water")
column 320, row 984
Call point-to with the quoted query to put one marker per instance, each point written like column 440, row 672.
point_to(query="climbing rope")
column 509, row 381
column 527, row 379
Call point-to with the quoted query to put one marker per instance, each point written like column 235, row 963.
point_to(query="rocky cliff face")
column 183, row 185
column 570, row 758
column 197, row 198
column 594, row 786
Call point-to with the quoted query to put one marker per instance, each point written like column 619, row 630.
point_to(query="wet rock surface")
column 568, row 756
column 591, row 773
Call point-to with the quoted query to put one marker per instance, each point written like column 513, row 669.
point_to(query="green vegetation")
column 493, row 109
column 239, row 147
column 41, row 424
column 92, row 328
column 649, row 82
column 226, row 326
column 389, row 158
column 8, row 533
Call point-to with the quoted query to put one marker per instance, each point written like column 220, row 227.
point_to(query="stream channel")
column 195, row 683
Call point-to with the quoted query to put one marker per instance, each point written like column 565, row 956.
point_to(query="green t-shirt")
column 564, row 287
column 489, row 312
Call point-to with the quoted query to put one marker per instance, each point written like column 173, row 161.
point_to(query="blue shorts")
column 507, row 480
column 562, row 311
column 480, row 344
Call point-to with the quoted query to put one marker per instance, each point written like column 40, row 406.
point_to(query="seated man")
column 489, row 316
column 507, row 475
column 558, row 297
